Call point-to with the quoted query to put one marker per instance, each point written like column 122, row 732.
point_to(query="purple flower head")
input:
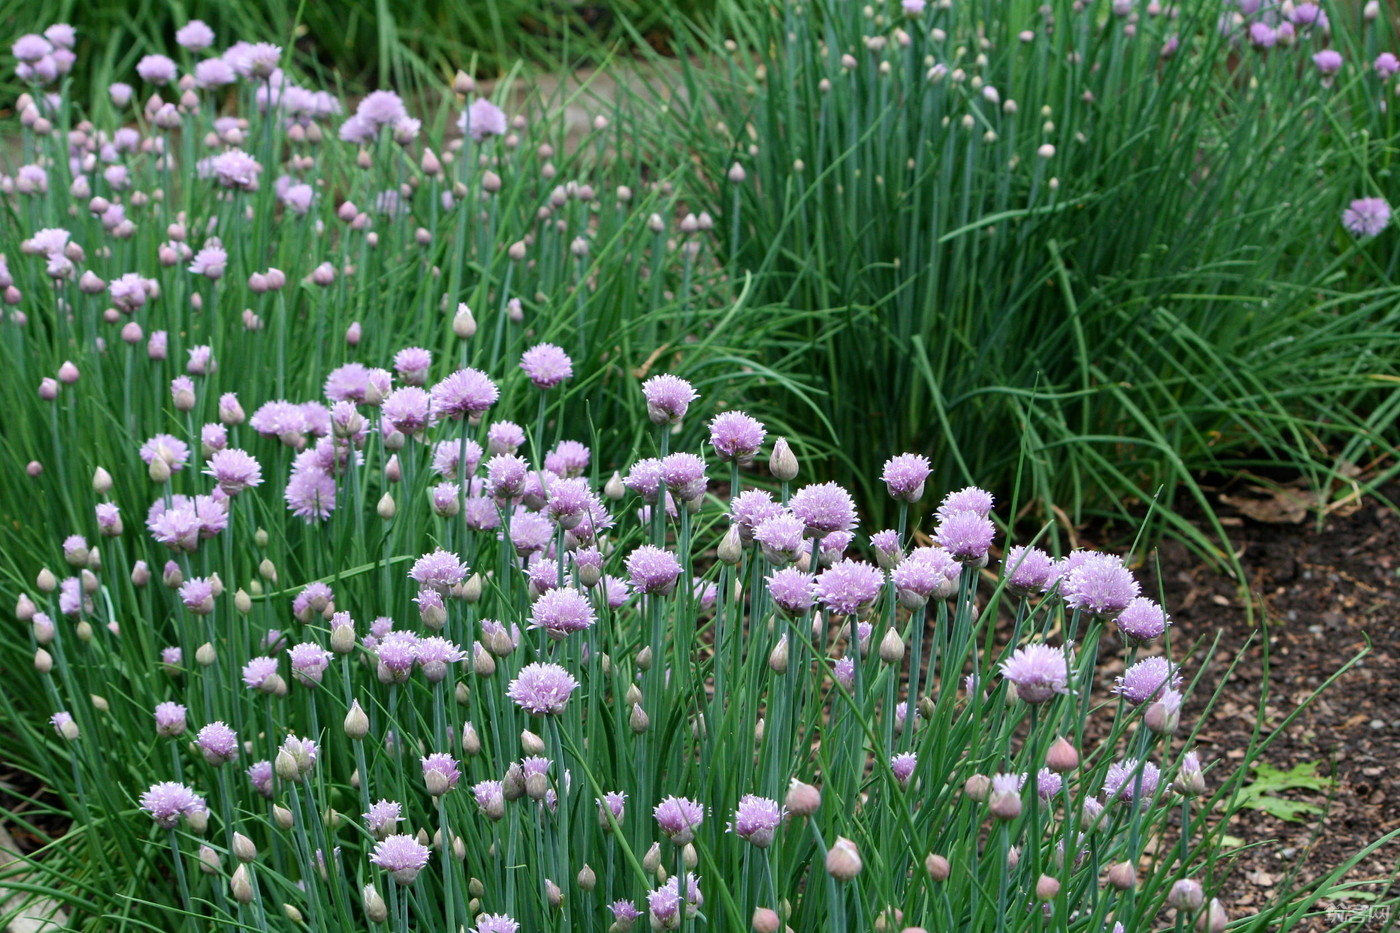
column 282, row 420
column 969, row 499
column 210, row 262
column 1386, row 65
column 567, row 459
column 925, row 574
column 383, row 817
column 495, row 923
column 309, row 662
column 1366, row 216
column 213, row 437
column 412, row 365
column 397, row 653
column 435, row 654
column 751, row 508
column 1131, row 780
column 966, row 535
column 465, row 393
column 234, row 470
column 195, row 35
column 903, row 766
column 504, row 437
column 490, row 797
column 624, row 912
column 440, row 773
column 823, row 508
column 1048, row 783
column 668, row 397
column 542, row 689
column 315, row 597
column 793, row 591
column 530, row 532
column 645, row 478
column 614, row 802
column 505, row 476
column 1028, row 569
column 543, row 573
column 563, row 611
column 1328, row 62
column 547, row 365
column 1308, row 14
column 736, row 436
column 257, row 60
column 781, row 538
column 156, row 69
column 218, row 742
column 31, row 48
column 756, row 819
column 567, row 501
column 1262, row 35
column 260, row 776
column 261, row 674
column 1142, row 621
column 1038, row 671
column 172, row 450
column 408, row 409
column 170, row 719
column 168, row 801
column 441, row 570
column 677, row 818
column 653, row 571
column 109, row 520
column 905, row 476
column 684, row 475
column 233, row 168
column 1146, row 679
column 849, row 586
column 402, row 856
column 482, row 119
column 1099, row 584
column 64, row 725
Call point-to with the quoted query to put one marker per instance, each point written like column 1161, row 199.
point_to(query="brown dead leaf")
column 1279, row 506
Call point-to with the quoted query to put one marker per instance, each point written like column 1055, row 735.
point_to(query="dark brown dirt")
column 1324, row 596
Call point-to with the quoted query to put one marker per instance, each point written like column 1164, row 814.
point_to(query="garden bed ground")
column 1325, row 593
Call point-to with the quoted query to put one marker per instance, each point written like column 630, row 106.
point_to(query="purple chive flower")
column 465, row 393
column 1048, row 783
column 905, row 476
column 195, row 35
column 567, row 459
column 845, row 672
column 653, row 571
column 490, row 798
column 1366, row 216
column 234, row 168
column 441, row 570
column 542, row 689
column 1124, row 782
column 31, row 48
column 412, row 365
column 482, row 119
column 793, row 591
column 614, row 802
column 170, row 719
column 314, row 598
column 261, row 674
column 780, row 538
column 168, row 801
column 213, row 437
column 504, row 437
column 505, row 476
column 408, row 409
column 1099, row 584
column 1262, row 35
column 625, row 913
column 402, row 856
column 918, row 579
column 1307, row 14
column 1386, row 65
column 1146, row 679
column 1328, row 62
column 1038, row 671
column 495, row 923
column 969, row 499
column 849, row 586
column 903, row 766
column 668, row 397
column 109, row 519
column 645, row 478
column 64, row 725
column 530, row 532
column 440, row 773
column 684, row 475
column 823, row 508
column 397, row 653
column 756, row 819
column 234, row 470
column 172, row 450
column 218, row 742
column 1142, row 621
column 965, row 534
column 197, row 594
column 1028, row 569
column 751, row 508
column 156, row 69
column 677, row 817
column 563, row 611
column 211, row 261
column 435, row 654
column 309, row 662
column 568, row 499
column 546, row 365
column 383, row 817
column 260, row 776
column 736, row 436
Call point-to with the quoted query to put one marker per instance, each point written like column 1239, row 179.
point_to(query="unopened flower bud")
column 766, row 921
column 778, row 658
column 937, row 867
column 639, row 720
column 376, row 911
column 891, row 647
column 280, row 814
column 803, row 799
column 783, row 462
column 1187, row 896
column 1122, row 875
column 243, row 848
column 843, row 860
column 1062, row 757
column 977, row 787
column 240, row 886
column 1047, row 888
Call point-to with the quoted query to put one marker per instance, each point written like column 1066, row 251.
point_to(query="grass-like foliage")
column 1108, row 236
